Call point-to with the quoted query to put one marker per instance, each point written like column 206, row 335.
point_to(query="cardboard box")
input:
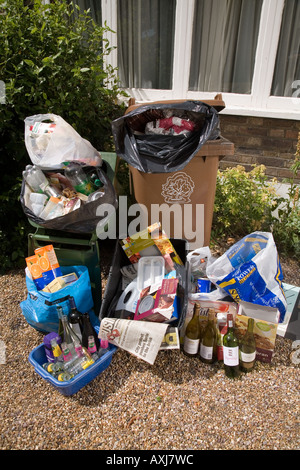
column 150, row 242
column 265, row 327
column 114, row 286
column 159, row 304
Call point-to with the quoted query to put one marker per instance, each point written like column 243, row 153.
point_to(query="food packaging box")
column 150, row 242
column 157, row 305
column 37, row 358
column 48, row 263
column 264, row 332
column 115, row 286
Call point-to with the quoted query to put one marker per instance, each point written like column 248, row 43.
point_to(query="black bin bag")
column 87, row 217
column 159, row 153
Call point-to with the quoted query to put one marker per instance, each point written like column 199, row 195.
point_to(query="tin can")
column 203, row 284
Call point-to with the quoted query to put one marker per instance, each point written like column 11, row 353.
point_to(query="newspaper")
column 143, row 339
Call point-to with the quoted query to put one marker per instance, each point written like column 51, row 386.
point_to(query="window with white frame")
column 248, row 50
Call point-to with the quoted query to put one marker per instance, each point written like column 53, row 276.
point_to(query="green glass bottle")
column 247, row 348
column 208, row 340
column 192, row 334
column 231, row 350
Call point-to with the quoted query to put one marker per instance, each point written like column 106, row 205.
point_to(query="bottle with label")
column 68, row 335
column 79, row 179
column 247, row 348
column 56, row 350
column 34, row 177
column 209, row 340
column 192, row 334
column 231, row 350
column 75, row 318
column 88, row 330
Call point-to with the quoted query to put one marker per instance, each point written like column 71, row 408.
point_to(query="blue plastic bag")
column 250, row 271
column 40, row 308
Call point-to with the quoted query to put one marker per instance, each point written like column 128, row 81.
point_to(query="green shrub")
column 52, row 59
column 244, row 202
column 286, row 227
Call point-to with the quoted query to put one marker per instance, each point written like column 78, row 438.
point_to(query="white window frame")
column 258, row 103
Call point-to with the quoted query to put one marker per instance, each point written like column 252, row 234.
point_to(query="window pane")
column 94, row 6
column 224, row 45
column 145, row 43
column 287, row 68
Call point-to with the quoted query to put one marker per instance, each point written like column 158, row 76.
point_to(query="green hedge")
column 52, row 59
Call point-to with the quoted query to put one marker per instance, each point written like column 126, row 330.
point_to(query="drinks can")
column 203, row 284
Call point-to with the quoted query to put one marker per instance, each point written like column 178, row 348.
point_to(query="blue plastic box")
column 37, row 358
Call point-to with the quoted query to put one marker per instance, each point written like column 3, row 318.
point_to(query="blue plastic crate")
column 37, row 358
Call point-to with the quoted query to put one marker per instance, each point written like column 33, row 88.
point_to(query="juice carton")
column 48, row 263
column 35, row 271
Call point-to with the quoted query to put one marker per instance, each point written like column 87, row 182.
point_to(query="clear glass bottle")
column 56, row 350
column 192, row 334
column 231, row 350
column 68, row 336
column 247, row 348
column 209, row 340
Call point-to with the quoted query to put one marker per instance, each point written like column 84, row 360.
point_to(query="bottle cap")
column 104, row 343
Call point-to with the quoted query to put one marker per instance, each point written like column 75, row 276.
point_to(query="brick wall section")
column 258, row 140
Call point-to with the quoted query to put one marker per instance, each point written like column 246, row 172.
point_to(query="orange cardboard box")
column 48, row 263
column 35, row 271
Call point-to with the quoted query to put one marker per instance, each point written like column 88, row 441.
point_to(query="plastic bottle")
column 34, row 178
column 37, row 201
column 104, row 346
column 49, row 208
column 38, row 182
column 79, row 179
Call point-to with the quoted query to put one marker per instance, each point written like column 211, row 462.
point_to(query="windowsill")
column 267, row 113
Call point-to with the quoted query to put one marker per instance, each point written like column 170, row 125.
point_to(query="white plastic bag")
column 49, row 144
column 250, row 271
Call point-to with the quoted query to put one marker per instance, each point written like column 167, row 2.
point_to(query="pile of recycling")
column 159, row 294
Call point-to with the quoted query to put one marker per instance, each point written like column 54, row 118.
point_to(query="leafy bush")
column 244, row 202
column 286, row 228
column 52, row 59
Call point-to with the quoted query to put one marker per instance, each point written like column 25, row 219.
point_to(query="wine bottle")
column 88, row 330
column 247, row 348
column 75, row 318
column 192, row 334
column 208, row 340
column 68, row 336
column 231, row 350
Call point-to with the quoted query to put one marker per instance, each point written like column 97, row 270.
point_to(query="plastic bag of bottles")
column 69, row 206
column 50, row 141
column 40, row 308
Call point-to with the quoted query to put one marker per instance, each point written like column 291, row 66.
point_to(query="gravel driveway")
column 176, row 404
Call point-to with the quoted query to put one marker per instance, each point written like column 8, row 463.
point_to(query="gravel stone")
column 178, row 403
